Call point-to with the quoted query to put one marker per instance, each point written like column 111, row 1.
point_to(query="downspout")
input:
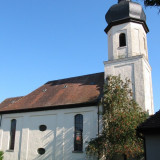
column 0, row 120
column 99, row 102
column 98, row 126
column 98, row 119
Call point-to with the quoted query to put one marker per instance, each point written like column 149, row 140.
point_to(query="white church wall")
column 6, row 124
column 133, row 68
column 58, row 139
column 113, row 42
column 136, row 41
column 38, row 139
column 148, row 88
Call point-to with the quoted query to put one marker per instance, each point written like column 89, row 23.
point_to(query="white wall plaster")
column 58, row 139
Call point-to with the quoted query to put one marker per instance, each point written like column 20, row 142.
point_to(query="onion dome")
column 125, row 11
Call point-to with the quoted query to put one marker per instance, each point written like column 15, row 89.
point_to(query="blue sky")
column 43, row 40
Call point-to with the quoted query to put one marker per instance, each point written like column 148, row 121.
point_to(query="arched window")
column 122, row 40
column 78, row 135
column 12, row 134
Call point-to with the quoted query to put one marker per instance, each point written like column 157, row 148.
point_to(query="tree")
column 121, row 116
column 152, row 2
column 1, row 155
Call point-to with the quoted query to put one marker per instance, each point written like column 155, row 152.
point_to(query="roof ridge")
column 74, row 77
column 14, row 97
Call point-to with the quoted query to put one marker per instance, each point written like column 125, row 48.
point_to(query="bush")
column 1, row 155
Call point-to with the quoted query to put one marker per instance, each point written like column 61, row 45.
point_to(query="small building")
column 150, row 130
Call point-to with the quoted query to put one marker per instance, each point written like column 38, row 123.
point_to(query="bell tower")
column 127, row 50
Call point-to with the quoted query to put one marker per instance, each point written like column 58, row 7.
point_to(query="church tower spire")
column 127, row 49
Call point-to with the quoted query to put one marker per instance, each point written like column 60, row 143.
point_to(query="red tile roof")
column 71, row 91
column 9, row 101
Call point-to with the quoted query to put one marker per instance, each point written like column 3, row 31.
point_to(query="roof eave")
column 126, row 21
column 45, row 108
column 149, row 130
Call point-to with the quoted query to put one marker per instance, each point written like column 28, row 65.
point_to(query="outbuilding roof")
column 151, row 125
column 71, row 92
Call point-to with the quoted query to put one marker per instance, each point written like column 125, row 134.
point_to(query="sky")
column 44, row 40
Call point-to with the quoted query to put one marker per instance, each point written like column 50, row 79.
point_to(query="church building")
column 55, row 121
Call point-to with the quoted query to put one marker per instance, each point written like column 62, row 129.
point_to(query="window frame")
column 78, row 133
column 122, row 40
column 12, row 134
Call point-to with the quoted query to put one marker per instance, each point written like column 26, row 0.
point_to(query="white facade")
column 58, row 139
column 136, row 41
column 131, row 61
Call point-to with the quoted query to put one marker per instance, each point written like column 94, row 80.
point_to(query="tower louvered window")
column 122, row 40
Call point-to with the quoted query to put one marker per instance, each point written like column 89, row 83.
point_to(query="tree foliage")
column 1, row 155
column 152, row 2
column 121, row 116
